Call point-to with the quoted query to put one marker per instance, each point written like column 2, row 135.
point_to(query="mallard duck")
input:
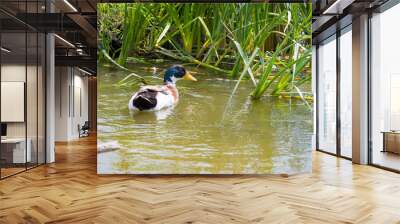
column 154, row 98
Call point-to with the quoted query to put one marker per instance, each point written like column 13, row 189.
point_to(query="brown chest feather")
column 174, row 92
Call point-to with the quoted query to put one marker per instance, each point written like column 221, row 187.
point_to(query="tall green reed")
column 220, row 37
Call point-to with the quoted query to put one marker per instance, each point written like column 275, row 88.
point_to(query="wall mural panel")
column 204, row 88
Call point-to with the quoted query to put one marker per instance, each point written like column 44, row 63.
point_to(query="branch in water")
column 122, row 67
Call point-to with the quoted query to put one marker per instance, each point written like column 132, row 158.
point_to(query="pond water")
column 202, row 134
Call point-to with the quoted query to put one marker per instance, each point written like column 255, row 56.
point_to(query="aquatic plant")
column 222, row 37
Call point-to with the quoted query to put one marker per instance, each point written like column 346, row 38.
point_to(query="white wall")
column 9, row 73
column 80, row 109
column 33, row 126
column 71, row 102
column 62, row 81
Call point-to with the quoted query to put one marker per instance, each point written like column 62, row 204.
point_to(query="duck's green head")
column 176, row 72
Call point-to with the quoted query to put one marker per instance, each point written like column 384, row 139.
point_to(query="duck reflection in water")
column 151, row 116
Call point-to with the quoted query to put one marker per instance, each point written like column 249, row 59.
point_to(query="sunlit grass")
column 269, row 44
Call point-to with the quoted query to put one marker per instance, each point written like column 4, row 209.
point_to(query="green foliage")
column 222, row 37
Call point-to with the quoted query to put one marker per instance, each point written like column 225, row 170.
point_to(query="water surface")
column 202, row 134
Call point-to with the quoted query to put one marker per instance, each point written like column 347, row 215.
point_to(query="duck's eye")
column 179, row 74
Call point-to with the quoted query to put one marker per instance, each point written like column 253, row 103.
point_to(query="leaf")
column 163, row 34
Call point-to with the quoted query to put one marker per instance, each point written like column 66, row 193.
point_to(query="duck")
column 158, row 97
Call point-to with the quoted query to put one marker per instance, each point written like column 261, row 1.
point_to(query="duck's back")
column 145, row 100
column 151, row 98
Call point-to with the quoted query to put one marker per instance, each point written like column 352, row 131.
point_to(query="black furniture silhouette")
column 84, row 130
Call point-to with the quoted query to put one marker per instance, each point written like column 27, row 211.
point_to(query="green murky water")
column 267, row 136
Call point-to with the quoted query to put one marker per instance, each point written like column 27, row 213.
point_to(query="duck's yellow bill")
column 189, row 76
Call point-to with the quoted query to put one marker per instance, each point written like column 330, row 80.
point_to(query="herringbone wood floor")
column 69, row 191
